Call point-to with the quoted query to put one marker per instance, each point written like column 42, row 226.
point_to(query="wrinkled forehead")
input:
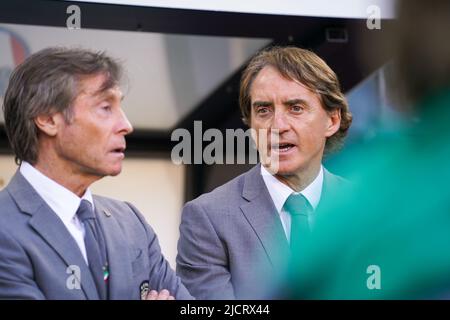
column 270, row 81
column 101, row 86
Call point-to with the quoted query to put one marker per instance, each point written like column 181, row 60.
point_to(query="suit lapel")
column 48, row 225
column 51, row 228
column 264, row 219
column 120, row 273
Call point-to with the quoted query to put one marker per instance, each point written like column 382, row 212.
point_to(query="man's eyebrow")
column 261, row 104
column 106, row 94
column 292, row 102
column 289, row 102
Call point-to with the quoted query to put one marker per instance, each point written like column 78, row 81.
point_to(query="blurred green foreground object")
column 388, row 237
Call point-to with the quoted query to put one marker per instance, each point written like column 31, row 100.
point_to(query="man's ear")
column 334, row 123
column 49, row 124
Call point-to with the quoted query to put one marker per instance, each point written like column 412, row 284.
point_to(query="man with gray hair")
column 67, row 129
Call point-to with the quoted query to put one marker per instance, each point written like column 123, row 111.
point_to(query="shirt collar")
column 279, row 192
column 62, row 201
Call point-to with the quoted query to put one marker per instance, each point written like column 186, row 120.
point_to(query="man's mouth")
column 282, row 147
column 119, row 150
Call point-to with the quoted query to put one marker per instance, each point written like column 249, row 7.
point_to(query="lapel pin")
column 107, row 213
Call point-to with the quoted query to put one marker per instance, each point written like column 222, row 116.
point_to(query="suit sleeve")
column 162, row 276
column 16, row 274
column 202, row 260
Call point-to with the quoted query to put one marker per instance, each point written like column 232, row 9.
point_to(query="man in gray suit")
column 235, row 241
column 65, row 123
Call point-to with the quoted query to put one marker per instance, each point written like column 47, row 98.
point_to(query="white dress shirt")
column 279, row 192
column 62, row 201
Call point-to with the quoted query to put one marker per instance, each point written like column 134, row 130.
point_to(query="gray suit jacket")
column 36, row 250
column 232, row 244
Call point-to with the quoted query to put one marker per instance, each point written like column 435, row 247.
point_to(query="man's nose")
column 280, row 121
column 125, row 126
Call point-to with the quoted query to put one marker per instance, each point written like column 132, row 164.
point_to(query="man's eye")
column 262, row 110
column 106, row 108
column 297, row 108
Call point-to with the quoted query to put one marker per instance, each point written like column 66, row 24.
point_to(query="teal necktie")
column 299, row 209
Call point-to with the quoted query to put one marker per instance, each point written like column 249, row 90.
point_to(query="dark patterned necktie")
column 95, row 247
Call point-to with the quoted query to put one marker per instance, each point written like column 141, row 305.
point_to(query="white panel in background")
column 315, row 8
column 7, row 169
